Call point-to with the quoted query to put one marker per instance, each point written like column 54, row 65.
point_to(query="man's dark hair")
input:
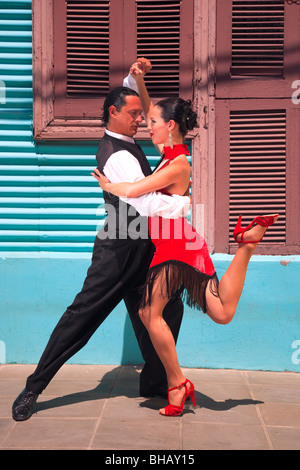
column 117, row 98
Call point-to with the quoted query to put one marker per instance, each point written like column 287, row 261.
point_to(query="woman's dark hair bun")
column 191, row 116
column 180, row 111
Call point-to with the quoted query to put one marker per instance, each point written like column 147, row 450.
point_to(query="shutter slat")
column 258, row 169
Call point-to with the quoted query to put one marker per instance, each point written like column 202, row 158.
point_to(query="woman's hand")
column 102, row 180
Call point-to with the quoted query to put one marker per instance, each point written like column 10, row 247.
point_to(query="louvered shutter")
column 165, row 36
column 257, row 48
column 87, row 39
column 95, row 42
column 83, row 51
column 257, row 38
column 258, row 169
column 256, row 144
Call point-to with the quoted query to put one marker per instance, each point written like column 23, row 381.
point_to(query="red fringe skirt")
column 181, row 261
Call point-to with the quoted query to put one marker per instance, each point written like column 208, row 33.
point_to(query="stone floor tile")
column 138, row 434
column 198, row 376
column 273, row 378
column 11, row 387
column 216, row 436
column 5, row 406
column 127, row 388
column 88, row 372
column 280, row 414
column 276, row 393
column 223, row 412
column 11, row 371
column 5, row 425
column 139, row 408
column 99, row 407
column 216, row 394
column 284, row 438
column 68, row 407
column 50, row 434
column 129, row 373
column 95, row 388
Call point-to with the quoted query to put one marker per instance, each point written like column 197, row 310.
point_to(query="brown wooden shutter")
column 257, row 38
column 258, row 168
column 91, row 53
column 87, row 38
column 165, row 36
column 83, row 49
column 258, row 171
column 257, row 48
column 256, row 144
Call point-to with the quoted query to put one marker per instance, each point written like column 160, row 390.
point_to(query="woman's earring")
column 170, row 139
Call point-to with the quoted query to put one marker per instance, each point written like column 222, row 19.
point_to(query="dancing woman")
column 181, row 262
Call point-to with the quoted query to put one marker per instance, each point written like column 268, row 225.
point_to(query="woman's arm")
column 138, row 71
column 177, row 171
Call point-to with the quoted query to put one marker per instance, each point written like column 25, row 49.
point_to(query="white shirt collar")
column 120, row 136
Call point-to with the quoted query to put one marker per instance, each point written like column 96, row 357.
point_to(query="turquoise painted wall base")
column 36, row 288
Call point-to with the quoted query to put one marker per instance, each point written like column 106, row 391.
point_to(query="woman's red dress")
column 181, row 255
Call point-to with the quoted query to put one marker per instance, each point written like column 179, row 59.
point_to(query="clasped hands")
column 140, row 68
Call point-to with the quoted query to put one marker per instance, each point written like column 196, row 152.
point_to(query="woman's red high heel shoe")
column 175, row 410
column 263, row 221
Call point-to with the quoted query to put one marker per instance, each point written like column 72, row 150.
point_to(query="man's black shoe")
column 23, row 405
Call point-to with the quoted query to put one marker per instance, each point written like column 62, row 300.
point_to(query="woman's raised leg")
column 222, row 309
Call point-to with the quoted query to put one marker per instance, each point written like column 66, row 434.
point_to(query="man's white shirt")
column 122, row 167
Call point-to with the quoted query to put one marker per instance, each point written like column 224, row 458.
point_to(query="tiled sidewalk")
column 98, row 407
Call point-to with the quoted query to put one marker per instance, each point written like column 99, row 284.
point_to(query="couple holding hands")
column 151, row 273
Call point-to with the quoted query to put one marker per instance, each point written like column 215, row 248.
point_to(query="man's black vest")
column 121, row 217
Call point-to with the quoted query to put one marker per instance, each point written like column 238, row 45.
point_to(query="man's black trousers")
column 118, row 267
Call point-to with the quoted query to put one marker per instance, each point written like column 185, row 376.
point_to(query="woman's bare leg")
column 222, row 309
column 163, row 341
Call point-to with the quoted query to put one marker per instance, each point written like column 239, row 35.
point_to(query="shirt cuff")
column 130, row 82
column 181, row 209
